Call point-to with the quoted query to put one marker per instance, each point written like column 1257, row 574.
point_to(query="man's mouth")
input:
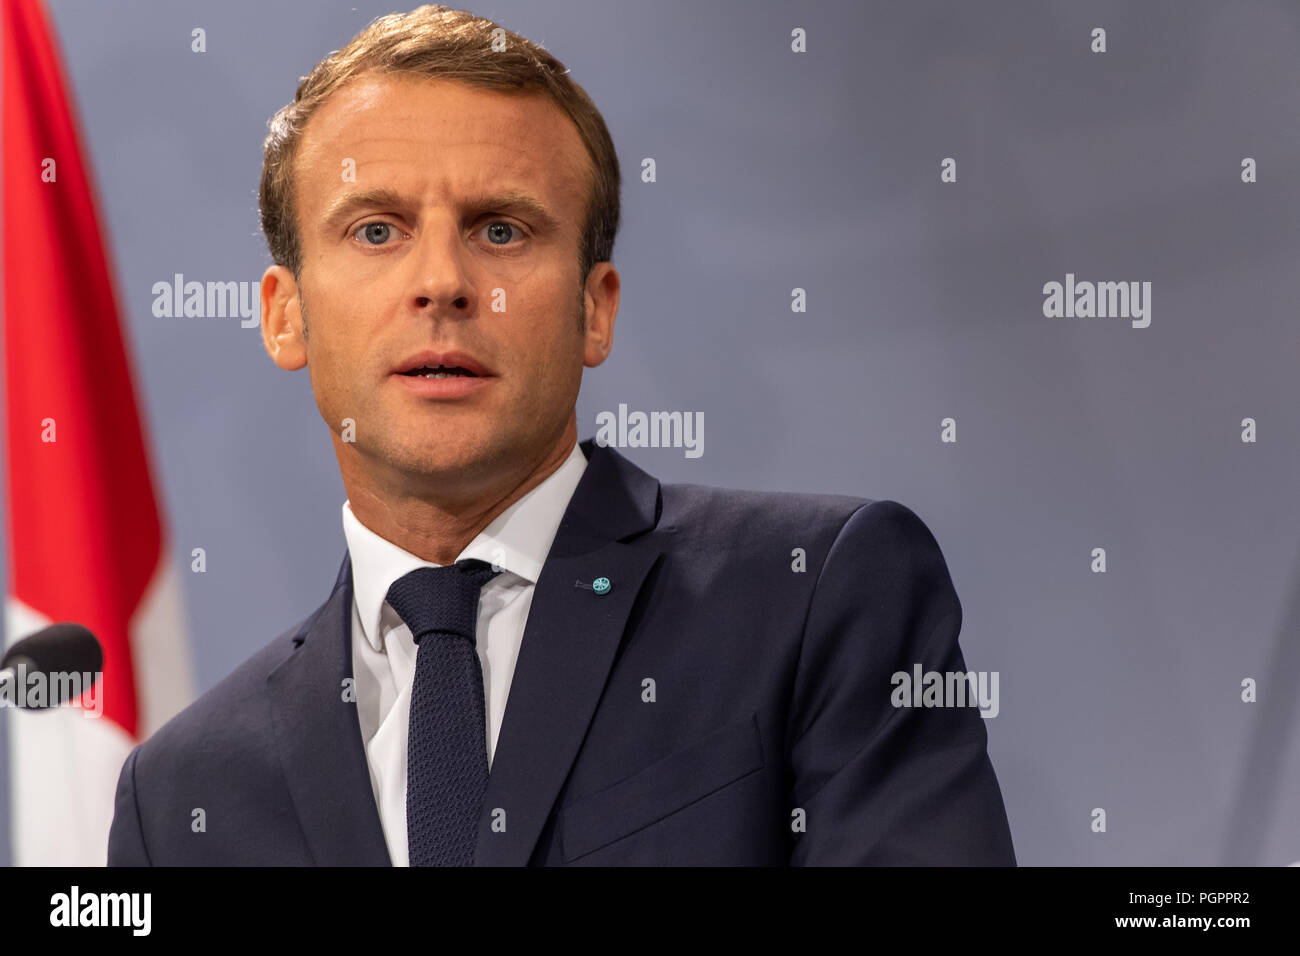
column 438, row 371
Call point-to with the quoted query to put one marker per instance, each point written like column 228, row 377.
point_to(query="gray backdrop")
column 821, row 171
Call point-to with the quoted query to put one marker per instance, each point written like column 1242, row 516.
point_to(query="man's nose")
column 439, row 278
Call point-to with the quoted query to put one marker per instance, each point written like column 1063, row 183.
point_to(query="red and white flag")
column 86, row 540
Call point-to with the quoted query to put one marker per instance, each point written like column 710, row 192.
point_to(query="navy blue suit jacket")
column 715, row 706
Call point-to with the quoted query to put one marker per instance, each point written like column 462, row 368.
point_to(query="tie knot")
column 441, row 600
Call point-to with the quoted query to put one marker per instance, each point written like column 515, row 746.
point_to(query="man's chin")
column 441, row 460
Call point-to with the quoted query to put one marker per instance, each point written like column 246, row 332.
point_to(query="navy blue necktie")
column 446, row 758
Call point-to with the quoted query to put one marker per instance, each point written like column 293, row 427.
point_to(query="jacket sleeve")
column 126, row 836
column 879, row 783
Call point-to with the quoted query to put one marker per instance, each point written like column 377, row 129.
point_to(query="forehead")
column 433, row 137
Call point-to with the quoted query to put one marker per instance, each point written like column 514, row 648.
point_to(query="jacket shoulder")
column 225, row 713
column 735, row 512
column 878, row 534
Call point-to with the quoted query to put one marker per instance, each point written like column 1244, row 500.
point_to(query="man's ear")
column 601, row 302
column 282, row 319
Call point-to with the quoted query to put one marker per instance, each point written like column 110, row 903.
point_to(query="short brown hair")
column 436, row 41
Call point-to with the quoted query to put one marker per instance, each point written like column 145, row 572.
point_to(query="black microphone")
column 60, row 649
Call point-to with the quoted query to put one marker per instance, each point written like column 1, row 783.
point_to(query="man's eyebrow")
column 350, row 203
column 526, row 206
column 521, row 204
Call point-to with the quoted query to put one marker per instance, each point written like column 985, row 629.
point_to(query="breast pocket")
column 663, row 788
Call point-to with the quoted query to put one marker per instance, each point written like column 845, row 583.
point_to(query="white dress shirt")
column 383, row 651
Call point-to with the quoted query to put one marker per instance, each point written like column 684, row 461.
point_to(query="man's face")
column 418, row 241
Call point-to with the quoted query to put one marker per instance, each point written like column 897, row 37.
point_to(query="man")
column 534, row 652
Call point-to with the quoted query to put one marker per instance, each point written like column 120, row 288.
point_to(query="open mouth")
column 438, row 371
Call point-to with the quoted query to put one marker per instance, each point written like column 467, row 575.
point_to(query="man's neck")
column 436, row 528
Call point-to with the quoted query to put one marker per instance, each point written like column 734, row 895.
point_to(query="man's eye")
column 500, row 233
column 374, row 233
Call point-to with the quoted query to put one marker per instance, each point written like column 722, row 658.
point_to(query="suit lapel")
column 319, row 738
column 568, row 648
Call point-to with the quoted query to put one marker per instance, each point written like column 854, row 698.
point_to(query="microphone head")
column 63, row 648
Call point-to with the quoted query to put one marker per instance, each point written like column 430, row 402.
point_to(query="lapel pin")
column 600, row 585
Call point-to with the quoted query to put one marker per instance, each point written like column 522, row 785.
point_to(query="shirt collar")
column 517, row 540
